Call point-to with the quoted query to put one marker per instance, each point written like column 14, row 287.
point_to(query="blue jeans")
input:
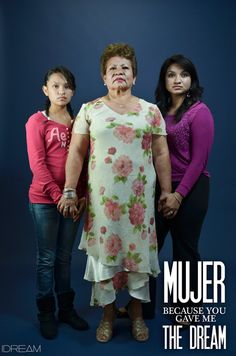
column 55, row 238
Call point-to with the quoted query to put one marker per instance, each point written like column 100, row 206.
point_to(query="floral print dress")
column 119, row 234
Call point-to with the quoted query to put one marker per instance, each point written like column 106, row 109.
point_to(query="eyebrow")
column 115, row 65
column 59, row 83
column 172, row 71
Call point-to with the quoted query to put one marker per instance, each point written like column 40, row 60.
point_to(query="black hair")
column 70, row 80
column 163, row 97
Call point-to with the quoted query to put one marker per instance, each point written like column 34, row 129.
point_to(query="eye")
column 55, row 86
column 170, row 75
column 125, row 67
column 185, row 74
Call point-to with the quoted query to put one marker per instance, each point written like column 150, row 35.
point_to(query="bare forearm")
column 77, row 152
column 162, row 162
column 163, row 169
column 74, row 166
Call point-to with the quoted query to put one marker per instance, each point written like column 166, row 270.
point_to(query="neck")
column 176, row 102
column 58, row 110
column 120, row 98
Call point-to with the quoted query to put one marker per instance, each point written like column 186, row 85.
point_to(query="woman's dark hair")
column 163, row 97
column 120, row 50
column 70, row 80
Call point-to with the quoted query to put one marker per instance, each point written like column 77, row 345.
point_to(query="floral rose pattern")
column 113, row 246
column 122, row 167
column 119, row 225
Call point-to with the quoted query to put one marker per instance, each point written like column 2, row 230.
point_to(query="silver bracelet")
column 68, row 189
column 69, row 194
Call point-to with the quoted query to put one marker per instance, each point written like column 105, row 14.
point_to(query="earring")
column 104, row 83
column 188, row 94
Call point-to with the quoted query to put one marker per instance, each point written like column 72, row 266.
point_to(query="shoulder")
column 94, row 104
column 150, row 108
column 200, row 118
column 199, row 108
column 147, row 104
column 37, row 119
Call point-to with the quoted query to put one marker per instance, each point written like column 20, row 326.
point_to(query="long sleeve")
column 202, row 132
column 37, row 159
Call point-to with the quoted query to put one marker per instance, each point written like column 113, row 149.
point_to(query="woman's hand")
column 68, row 207
column 169, row 204
column 71, row 207
column 80, row 208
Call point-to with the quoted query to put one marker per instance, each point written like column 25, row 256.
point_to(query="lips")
column 177, row 87
column 119, row 80
column 62, row 98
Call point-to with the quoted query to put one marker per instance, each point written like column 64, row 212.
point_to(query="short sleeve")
column 81, row 124
column 157, row 122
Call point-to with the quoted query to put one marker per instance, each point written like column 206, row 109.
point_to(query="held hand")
column 162, row 201
column 171, row 205
column 68, row 207
column 80, row 208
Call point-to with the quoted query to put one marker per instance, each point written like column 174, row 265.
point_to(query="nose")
column 61, row 89
column 177, row 78
column 119, row 71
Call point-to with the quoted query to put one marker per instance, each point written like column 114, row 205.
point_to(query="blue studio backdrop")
column 37, row 35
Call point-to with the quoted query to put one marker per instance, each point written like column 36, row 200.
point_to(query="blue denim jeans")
column 55, row 238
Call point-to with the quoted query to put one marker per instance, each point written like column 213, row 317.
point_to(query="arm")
column 77, row 152
column 202, row 132
column 37, row 159
column 161, row 161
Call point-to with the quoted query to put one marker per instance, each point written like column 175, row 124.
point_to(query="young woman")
column 48, row 136
column 190, row 130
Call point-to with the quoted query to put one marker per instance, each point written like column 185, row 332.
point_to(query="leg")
column 105, row 329
column 162, row 228
column 140, row 331
column 46, row 227
column 66, row 238
column 186, row 229
column 65, row 295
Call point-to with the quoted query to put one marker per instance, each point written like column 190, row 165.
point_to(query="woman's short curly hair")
column 118, row 50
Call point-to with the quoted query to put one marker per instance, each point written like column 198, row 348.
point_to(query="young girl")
column 48, row 136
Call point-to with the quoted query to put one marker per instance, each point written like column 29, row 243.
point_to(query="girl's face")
column 119, row 74
column 177, row 80
column 57, row 90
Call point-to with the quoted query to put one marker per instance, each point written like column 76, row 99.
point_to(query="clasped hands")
column 169, row 204
column 71, row 207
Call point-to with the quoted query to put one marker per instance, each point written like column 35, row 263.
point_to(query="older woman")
column 127, row 144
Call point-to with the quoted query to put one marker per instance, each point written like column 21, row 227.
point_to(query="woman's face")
column 119, row 74
column 58, row 90
column 177, row 80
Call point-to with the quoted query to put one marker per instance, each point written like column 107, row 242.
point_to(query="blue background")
column 37, row 35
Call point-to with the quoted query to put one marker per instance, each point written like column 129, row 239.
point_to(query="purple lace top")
column 190, row 142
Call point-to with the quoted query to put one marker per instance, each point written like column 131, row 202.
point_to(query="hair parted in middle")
column 118, row 50
column 163, row 97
